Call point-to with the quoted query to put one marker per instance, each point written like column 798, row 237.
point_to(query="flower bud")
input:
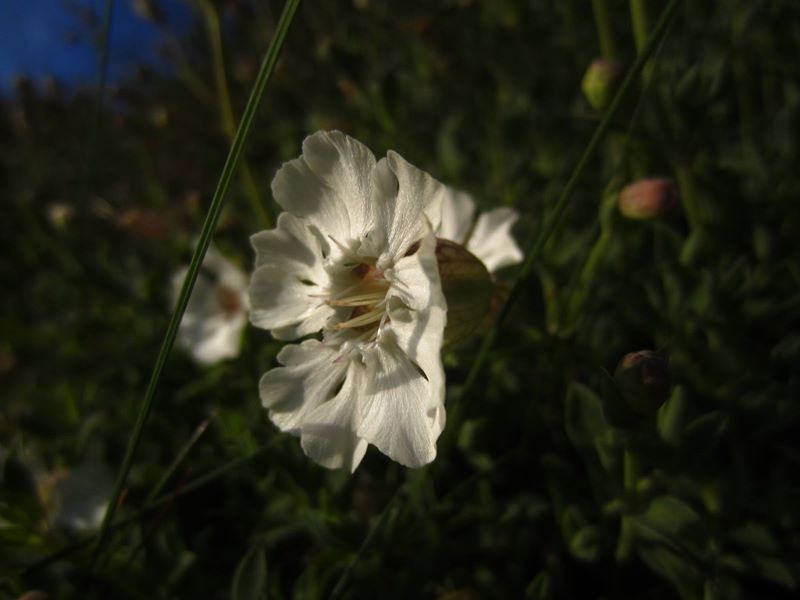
column 643, row 379
column 648, row 198
column 467, row 287
column 600, row 82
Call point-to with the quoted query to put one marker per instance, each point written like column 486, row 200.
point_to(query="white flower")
column 211, row 329
column 353, row 255
column 81, row 497
column 490, row 240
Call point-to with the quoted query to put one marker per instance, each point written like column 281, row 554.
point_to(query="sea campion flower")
column 490, row 238
column 353, row 256
column 211, row 329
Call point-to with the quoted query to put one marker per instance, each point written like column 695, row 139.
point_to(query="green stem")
column 257, row 203
column 228, row 170
column 605, row 29
column 689, row 196
column 630, row 478
column 640, row 20
column 553, row 222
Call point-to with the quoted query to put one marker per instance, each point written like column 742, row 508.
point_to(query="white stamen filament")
column 359, row 299
column 365, row 319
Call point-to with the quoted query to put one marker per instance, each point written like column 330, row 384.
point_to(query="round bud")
column 648, row 198
column 643, row 379
column 600, row 82
column 467, row 287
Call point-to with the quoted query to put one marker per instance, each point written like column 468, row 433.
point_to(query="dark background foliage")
column 541, row 489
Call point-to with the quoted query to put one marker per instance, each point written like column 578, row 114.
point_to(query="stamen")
column 365, row 319
column 359, row 299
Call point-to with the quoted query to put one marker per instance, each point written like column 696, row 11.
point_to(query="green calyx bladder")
column 467, row 287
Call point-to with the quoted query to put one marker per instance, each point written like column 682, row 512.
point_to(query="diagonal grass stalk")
column 228, row 170
column 554, row 220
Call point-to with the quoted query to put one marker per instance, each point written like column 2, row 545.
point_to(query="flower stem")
column 630, row 478
column 640, row 19
column 689, row 196
column 605, row 29
column 228, row 170
column 257, row 204
column 554, row 220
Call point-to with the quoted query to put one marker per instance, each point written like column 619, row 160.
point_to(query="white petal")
column 330, row 184
column 491, row 240
column 279, row 299
column 408, row 203
column 396, row 417
column 214, row 338
column 458, row 210
column 309, row 377
column 293, row 246
column 329, row 431
column 418, row 315
column 415, row 278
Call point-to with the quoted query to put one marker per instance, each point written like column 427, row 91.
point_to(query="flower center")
column 367, row 298
column 228, row 300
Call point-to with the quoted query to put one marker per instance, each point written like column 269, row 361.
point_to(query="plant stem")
column 630, row 478
column 605, row 29
column 689, row 196
column 234, row 156
column 640, row 20
column 257, row 204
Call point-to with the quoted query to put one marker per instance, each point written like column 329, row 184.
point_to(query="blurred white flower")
column 211, row 329
column 490, row 239
column 80, row 497
column 353, row 255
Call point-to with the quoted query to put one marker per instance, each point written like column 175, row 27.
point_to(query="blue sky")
column 34, row 38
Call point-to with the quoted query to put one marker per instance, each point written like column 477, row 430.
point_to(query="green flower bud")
column 648, row 198
column 467, row 287
column 643, row 380
column 600, row 82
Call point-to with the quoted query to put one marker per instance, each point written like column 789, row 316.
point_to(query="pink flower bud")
column 648, row 198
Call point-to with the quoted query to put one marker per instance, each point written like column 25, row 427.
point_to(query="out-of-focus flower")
column 59, row 214
column 648, row 198
column 354, row 256
column 80, row 497
column 211, row 329
column 489, row 238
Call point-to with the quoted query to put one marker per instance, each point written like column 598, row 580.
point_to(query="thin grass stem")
column 605, row 29
column 257, row 204
column 228, row 170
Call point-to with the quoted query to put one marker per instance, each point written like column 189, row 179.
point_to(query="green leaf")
column 672, row 416
column 688, row 581
column 671, row 519
column 584, row 418
column 250, row 578
column 540, row 588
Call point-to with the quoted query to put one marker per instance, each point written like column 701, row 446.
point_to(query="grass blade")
column 234, row 155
